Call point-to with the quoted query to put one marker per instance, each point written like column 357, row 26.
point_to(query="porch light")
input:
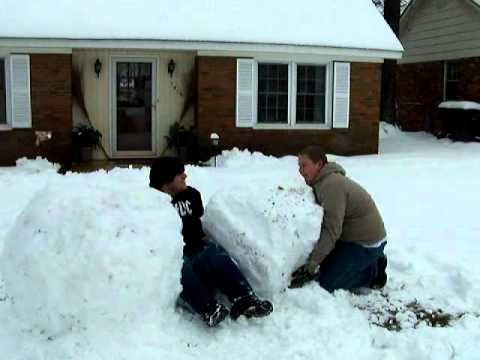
column 98, row 67
column 171, row 67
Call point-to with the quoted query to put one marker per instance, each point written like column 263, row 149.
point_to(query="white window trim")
column 292, row 98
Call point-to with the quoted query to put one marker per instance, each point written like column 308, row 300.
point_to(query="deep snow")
column 426, row 189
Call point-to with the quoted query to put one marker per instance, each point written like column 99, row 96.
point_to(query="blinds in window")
column 19, row 80
column 245, row 93
column 341, row 95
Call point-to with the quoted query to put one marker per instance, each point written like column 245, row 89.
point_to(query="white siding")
column 440, row 30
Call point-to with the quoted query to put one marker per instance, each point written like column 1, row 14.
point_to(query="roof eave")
column 201, row 46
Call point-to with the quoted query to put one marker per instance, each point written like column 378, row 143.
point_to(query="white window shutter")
column 341, row 95
column 245, row 93
column 19, row 73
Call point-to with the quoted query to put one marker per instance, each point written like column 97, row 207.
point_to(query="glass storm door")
column 134, row 107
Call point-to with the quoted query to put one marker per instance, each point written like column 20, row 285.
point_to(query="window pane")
column 272, row 93
column 452, row 82
column 310, row 94
column 452, row 71
column 3, row 101
column 134, row 117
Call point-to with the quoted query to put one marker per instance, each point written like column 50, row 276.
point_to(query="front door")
column 133, row 107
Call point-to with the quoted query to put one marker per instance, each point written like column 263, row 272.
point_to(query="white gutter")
column 200, row 46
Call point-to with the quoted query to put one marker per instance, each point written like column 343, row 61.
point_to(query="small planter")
column 86, row 153
column 85, row 139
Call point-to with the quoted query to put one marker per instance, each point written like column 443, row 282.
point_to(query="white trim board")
column 199, row 46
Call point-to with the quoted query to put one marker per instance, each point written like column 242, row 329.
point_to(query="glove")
column 303, row 275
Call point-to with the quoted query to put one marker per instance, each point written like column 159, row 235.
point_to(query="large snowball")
column 268, row 231
column 93, row 249
column 19, row 185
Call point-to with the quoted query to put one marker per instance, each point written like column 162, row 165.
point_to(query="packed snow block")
column 22, row 182
column 93, row 250
column 269, row 232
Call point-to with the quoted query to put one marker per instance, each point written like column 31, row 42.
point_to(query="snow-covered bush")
column 91, row 250
column 268, row 231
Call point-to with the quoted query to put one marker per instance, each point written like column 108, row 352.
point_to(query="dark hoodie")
column 350, row 213
column 190, row 208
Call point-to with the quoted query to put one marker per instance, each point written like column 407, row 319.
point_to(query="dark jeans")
column 208, row 271
column 349, row 266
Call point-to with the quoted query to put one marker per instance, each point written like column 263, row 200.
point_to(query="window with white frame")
column 311, row 94
column 3, row 93
column 272, row 96
column 292, row 95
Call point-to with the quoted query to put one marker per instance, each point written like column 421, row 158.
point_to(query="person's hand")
column 303, row 275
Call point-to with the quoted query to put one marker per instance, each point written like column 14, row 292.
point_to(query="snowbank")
column 91, row 250
column 462, row 105
column 268, row 231
column 20, row 184
column 241, row 159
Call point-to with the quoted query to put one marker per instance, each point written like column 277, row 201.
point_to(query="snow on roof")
column 326, row 23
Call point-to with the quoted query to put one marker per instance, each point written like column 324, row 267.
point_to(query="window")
column 452, row 81
column 3, row 94
column 272, row 94
column 276, row 96
column 284, row 95
column 310, row 104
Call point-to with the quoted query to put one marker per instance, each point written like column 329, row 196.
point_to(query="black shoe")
column 250, row 306
column 381, row 277
column 214, row 314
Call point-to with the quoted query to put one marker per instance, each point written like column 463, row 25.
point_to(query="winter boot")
column 250, row 306
column 214, row 314
column 381, row 277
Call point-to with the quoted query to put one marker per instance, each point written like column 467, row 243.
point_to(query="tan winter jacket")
column 350, row 214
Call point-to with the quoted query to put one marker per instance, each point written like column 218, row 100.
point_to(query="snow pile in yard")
column 19, row 185
column 236, row 159
column 91, row 250
column 269, row 231
column 36, row 166
column 463, row 105
column 426, row 190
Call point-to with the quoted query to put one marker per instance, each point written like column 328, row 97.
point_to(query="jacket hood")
column 328, row 169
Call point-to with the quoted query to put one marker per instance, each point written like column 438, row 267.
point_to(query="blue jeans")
column 208, row 271
column 349, row 266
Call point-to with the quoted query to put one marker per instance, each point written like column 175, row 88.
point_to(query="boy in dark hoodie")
column 207, row 267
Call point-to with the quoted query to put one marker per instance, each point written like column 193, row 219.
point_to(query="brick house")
column 270, row 76
column 441, row 60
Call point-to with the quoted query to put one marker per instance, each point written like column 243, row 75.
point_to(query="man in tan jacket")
column 349, row 253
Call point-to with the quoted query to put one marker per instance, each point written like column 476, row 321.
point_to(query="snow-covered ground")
column 90, row 263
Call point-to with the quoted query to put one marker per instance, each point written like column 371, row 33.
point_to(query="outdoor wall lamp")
column 98, row 67
column 171, row 67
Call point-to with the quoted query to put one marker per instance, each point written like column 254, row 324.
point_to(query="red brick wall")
column 469, row 76
column 216, row 113
column 420, row 91
column 51, row 99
